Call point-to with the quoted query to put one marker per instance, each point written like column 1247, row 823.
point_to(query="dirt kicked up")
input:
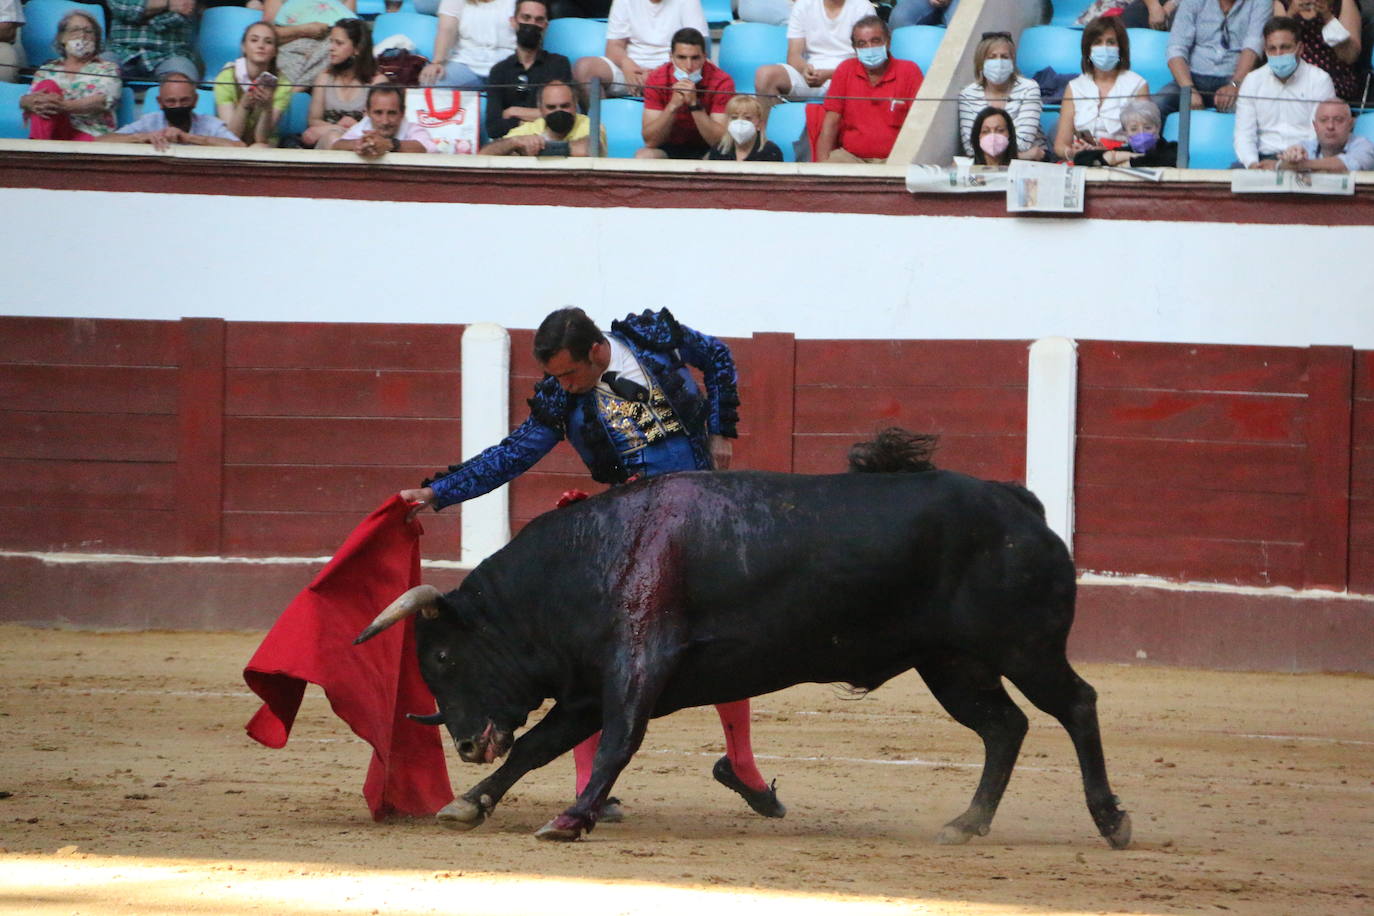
column 129, row 787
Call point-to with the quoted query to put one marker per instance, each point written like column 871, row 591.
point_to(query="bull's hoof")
column 562, row 829
column 763, row 801
column 1120, row 838
column 461, row 814
column 611, row 812
column 958, row 832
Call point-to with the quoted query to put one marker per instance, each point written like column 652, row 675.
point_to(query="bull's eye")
column 441, row 656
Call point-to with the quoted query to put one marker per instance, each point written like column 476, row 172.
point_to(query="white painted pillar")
column 1051, row 420
column 486, row 421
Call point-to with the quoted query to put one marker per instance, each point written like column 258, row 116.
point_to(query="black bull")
column 702, row 588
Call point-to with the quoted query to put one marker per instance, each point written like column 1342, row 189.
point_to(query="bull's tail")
column 894, row 450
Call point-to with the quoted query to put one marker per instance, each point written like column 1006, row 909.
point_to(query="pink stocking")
column 58, row 127
column 583, row 755
column 734, row 719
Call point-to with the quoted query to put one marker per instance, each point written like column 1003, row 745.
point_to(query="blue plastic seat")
column 1150, row 56
column 220, row 39
column 40, row 26
column 418, row 27
column 1364, row 127
column 124, row 113
column 718, row 12
column 917, row 43
column 746, row 46
column 623, row 120
column 371, row 9
column 1050, row 46
column 12, row 126
column 574, row 38
column 1212, row 138
column 1066, row 13
column 296, row 118
column 787, row 125
column 1049, row 122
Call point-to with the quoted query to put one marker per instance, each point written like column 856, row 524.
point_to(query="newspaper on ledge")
column 1044, row 187
column 1286, row 181
column 963, row 178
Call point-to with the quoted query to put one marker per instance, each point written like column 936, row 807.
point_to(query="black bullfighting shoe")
column 764, row 801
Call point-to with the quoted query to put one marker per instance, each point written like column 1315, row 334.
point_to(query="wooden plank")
column 534, row 494
column 85, row 484
column 88, row 341
column 313, row 488
column 1168, row 511
column 1240, row 466
column 88, row 530
column 314, row 345
column 1190, row 367
column 342, row 393
column 87, row 436
column 1362, row 424
column 319, row 534
column 1362, row 571
column 1183, row 558
column 426, row 445
column 989, row 457
column 769, row 400
column 946, row 411
column 956, row 363
column 1330, row 379
column 89, row 389
column 1364, row 375
column 200, row 438
column 1362, row 473
column 1190, row 415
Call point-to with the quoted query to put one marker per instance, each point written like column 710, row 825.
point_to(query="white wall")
column 98, row 254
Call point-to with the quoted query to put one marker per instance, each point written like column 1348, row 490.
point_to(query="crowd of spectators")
column 1279, row 65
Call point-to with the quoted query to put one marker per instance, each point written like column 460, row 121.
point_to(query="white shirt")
column 1101, row 117
column 11, row 11
column 828, row 42
column 408, row 130
column 484, row 32
column 622, row 361
column 1023, row 105
column 650, row 27
column 1272, row 115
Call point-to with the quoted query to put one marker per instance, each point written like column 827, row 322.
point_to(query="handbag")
column 452, row 117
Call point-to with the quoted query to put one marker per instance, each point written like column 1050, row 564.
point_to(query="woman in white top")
column 998, row 84
column 1092, row 105
column 473, row 35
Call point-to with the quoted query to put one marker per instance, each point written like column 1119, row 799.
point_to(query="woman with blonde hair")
column 998, row 84
column 744, row 139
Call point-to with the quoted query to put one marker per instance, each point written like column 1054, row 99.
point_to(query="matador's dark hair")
column 566, row 329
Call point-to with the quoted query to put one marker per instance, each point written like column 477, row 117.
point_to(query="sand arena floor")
column 130, row 787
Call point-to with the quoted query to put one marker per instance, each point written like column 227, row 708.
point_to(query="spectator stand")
column 746, row 46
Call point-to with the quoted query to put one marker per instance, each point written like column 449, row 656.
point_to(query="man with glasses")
column 1213, row 45
column 149, row 38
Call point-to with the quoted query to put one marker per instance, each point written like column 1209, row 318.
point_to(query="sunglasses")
column 987, row 35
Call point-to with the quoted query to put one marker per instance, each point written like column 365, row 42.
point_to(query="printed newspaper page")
column 963, row 178
column 1286, row 181
column 1044, row 187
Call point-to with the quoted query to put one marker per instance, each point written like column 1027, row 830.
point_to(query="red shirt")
column 713, row 92
column 869, row 124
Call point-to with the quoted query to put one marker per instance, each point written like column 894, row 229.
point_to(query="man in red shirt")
column 684, row 102
column 868, row 100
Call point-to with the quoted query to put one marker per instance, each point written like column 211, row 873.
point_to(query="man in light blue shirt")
column 175, row 121
column 1334, row 150
column 1212, row 46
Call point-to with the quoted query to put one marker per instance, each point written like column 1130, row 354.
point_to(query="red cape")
column 372, row 686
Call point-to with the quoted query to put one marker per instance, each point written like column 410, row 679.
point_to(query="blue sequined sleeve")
column 500, row 464
column 712, row 357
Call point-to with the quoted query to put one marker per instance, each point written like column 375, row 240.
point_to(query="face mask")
column 997, row 70
column 872, row 57
column 179, row 117
column 79, row 47
column 560, row 122
column 1105, row 57
column 1283, row 65
column 528, row 35
column 1144, row 141
column 742, row 130
column 681, row 74
column 994, row 144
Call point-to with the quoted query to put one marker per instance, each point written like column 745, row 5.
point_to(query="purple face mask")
column 1143, row 142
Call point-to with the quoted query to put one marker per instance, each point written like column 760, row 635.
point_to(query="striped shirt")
column 1023, row 106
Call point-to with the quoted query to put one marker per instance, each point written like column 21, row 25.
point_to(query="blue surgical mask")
column 997, row 70
column 872, row 57
column 1283, row 65
column 681, row 74
column 1144, row 141
column 1105, row 57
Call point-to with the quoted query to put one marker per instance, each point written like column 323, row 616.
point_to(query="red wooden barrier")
column 1362, row 476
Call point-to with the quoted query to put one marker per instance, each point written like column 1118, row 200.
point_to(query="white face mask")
column 996, row 70
column 681, row 74
column 79, row 47
column 742, row 130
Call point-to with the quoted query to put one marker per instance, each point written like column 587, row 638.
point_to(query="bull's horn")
column 436, row 718
column 421, row 598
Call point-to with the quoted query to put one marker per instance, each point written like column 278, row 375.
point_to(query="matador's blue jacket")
column 664, row 349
